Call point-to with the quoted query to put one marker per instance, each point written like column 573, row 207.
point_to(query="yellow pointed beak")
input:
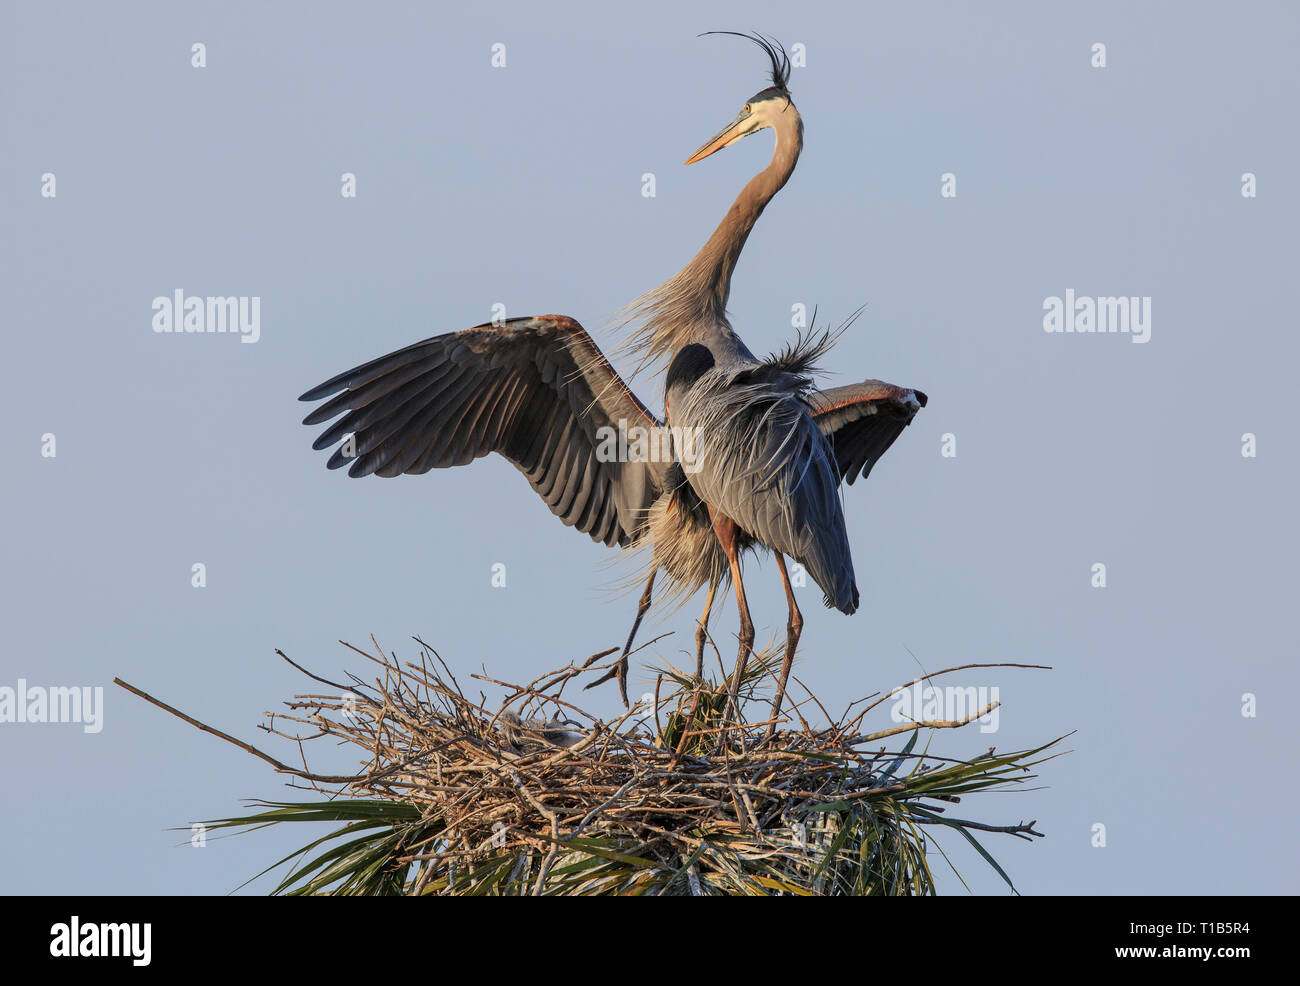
column 727, row 135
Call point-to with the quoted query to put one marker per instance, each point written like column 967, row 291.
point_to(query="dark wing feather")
column 862, row 420
column 535, row 390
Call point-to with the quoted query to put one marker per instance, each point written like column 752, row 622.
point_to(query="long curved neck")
column 716, row 261
column 691, row 306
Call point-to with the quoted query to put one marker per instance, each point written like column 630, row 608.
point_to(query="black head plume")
column 775, row 53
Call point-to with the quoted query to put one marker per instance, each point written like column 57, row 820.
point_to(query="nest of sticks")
column 530, row 795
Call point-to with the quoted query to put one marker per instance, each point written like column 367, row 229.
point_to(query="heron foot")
column 618, row 671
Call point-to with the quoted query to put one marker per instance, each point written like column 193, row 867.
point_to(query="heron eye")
column 749, row 108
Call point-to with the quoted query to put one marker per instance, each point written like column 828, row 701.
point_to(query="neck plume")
column 692, row 303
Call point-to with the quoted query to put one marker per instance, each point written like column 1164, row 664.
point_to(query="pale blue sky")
column 523, row 186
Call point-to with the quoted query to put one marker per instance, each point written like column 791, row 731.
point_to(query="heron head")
column 763, row 109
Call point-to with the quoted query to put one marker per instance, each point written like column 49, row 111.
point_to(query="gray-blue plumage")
column 754, row 453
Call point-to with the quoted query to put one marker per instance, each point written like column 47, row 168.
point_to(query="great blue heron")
column 771, row 450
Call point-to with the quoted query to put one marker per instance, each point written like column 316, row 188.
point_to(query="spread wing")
column 536, row 390
column 861, row 421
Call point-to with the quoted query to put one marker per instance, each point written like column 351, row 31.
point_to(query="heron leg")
column 725, row 529
column 702, row 632
column 792, row 630
column 619, row 670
